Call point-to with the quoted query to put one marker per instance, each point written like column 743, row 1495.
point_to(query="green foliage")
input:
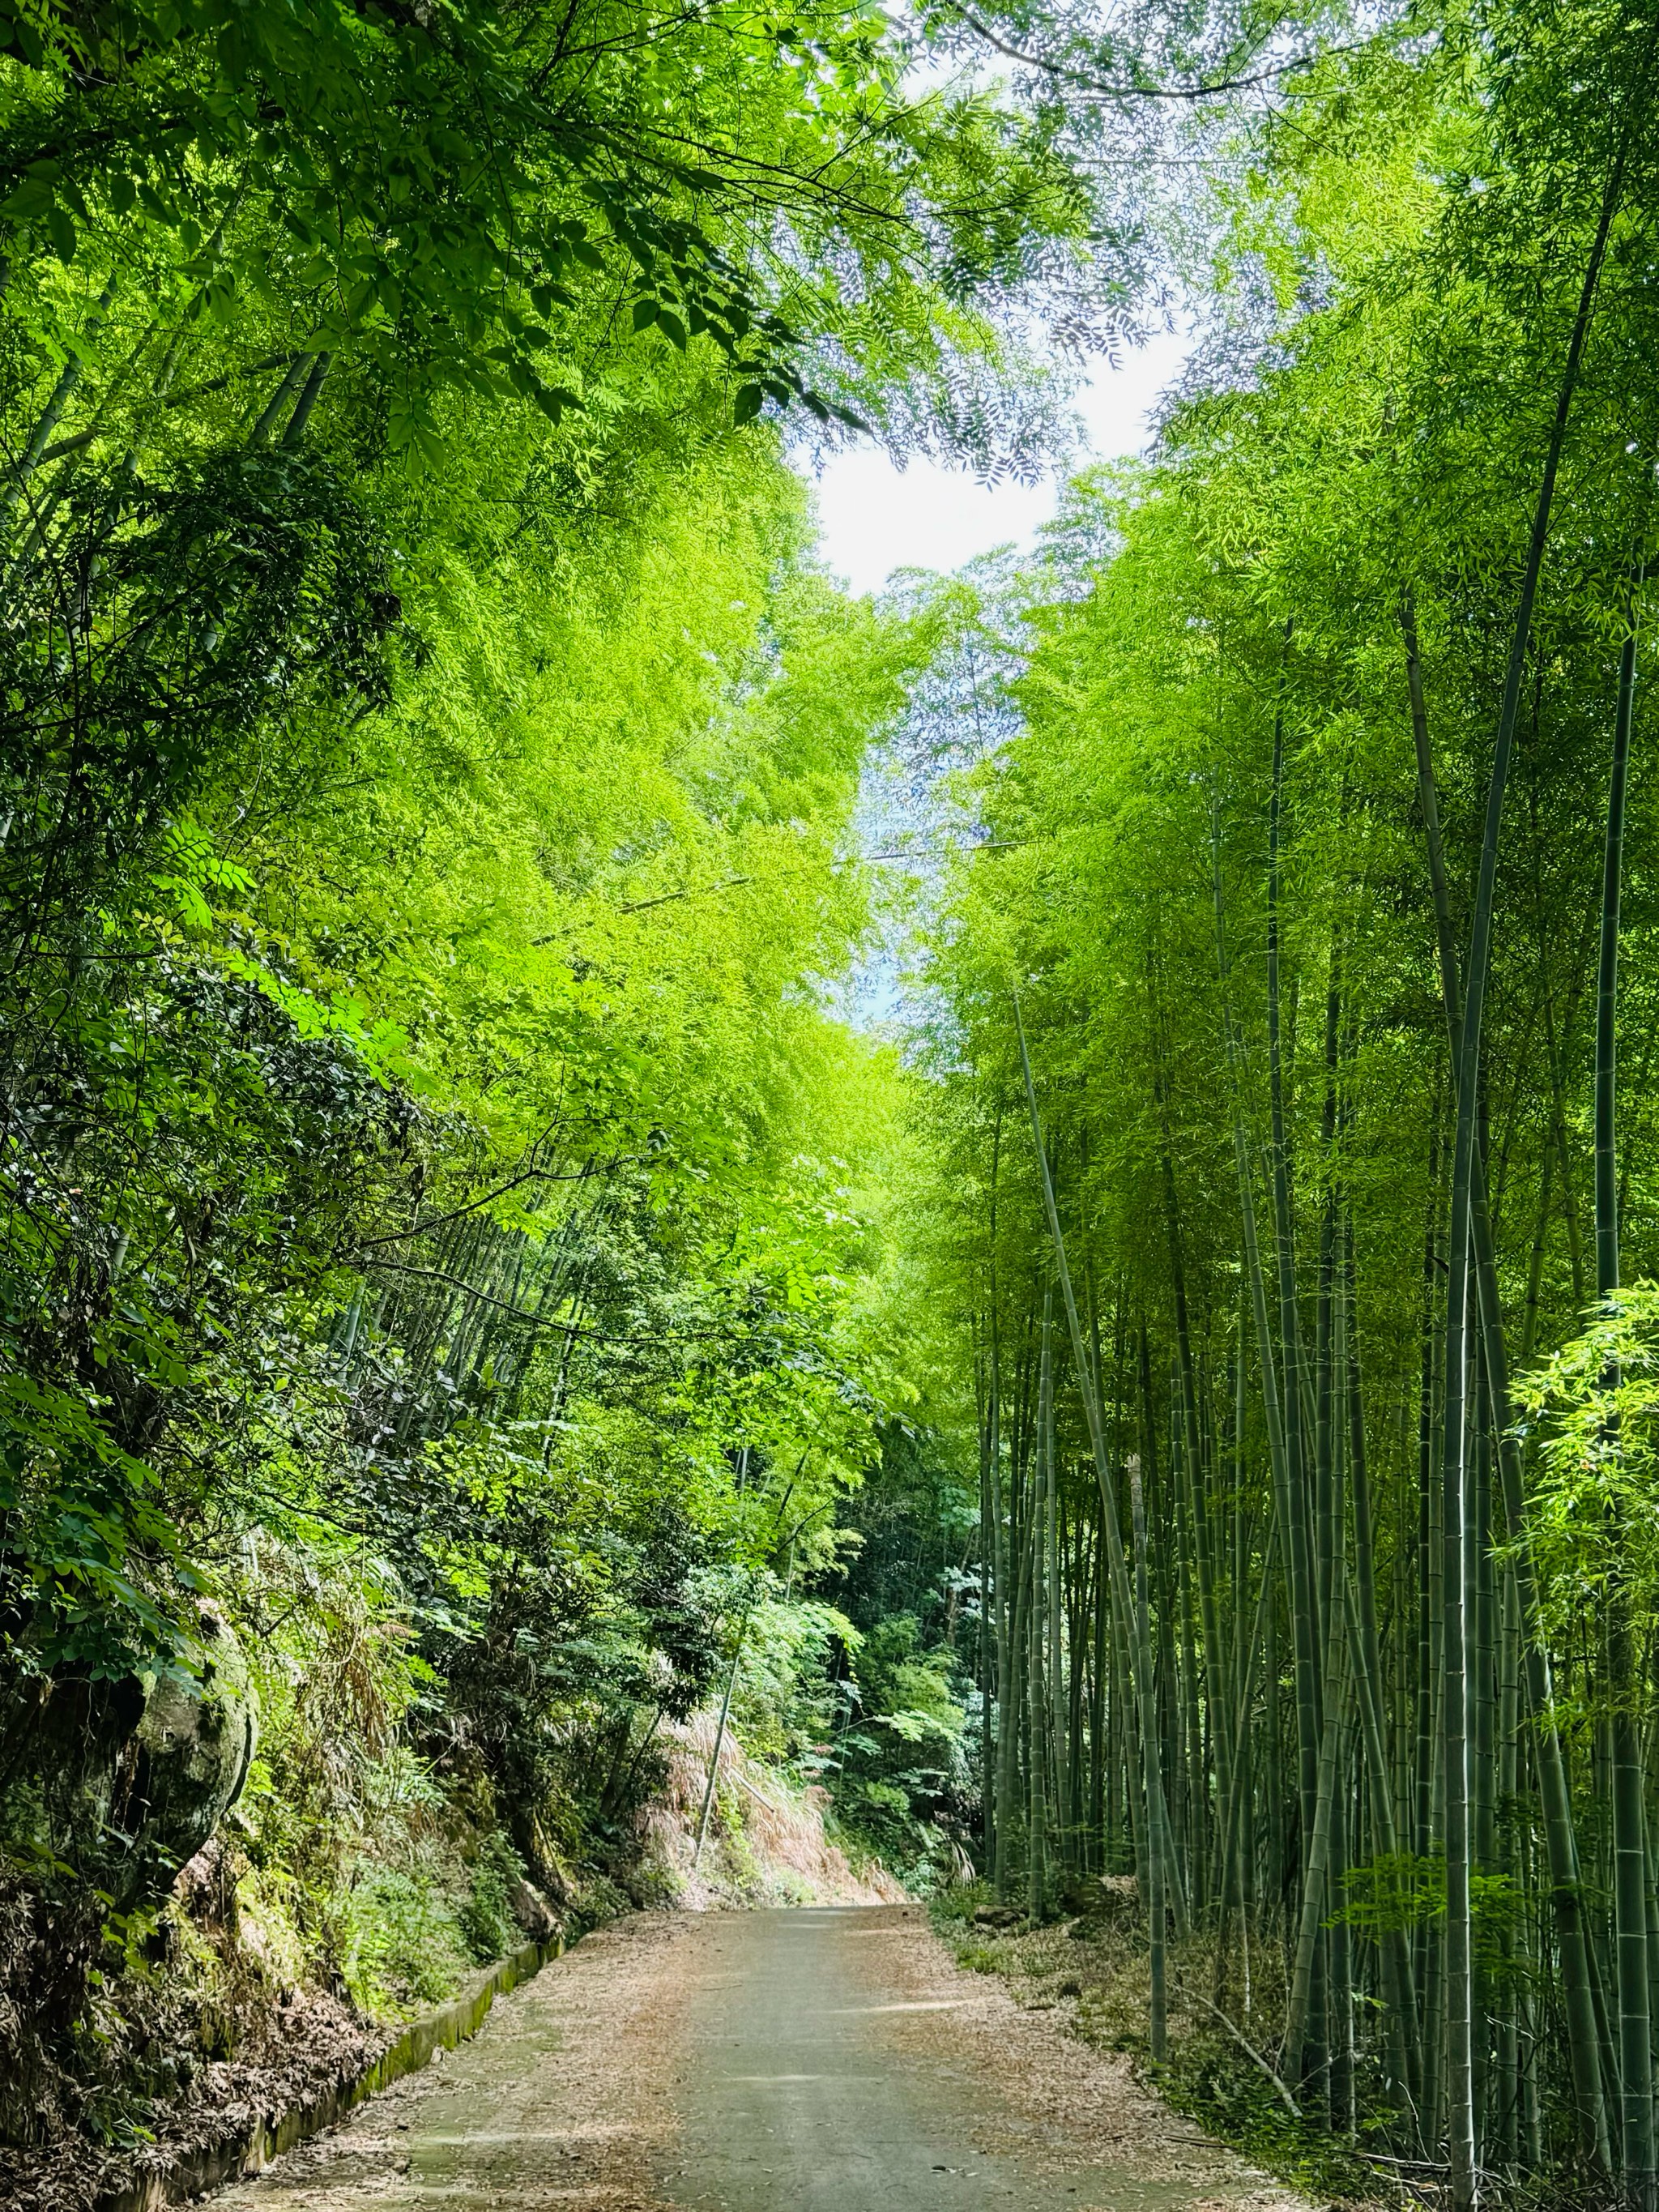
column 444, row 210
column 1590, row 1411
column 1214, row 2083
column 786, row 1700
column 1396, row 1891
column 899, row 1771
column 442, row 1224
column 406, row 1946
column 486, row 1919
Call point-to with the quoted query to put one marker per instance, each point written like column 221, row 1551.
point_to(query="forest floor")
column 1090, row 1974
column 812, row 2060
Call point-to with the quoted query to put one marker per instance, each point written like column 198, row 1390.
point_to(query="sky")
column 875, row 517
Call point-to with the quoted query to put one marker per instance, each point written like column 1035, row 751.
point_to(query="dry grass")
column 766, row 1843
column 1096, row 1969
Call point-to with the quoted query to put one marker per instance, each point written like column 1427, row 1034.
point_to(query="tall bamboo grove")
column 1300, row 1095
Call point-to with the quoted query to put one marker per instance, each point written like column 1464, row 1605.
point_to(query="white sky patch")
column 875, row 518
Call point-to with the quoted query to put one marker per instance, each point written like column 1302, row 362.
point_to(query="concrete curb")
column 193, row 2173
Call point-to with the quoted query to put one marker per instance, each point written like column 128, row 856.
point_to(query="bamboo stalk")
column 1629, row 1888
column 1158, row 1844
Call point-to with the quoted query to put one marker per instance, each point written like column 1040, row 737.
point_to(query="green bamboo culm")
column 1164, row 1873
column 1157, row 1906
column 1630, row 1885
column 1039, row 1684
column 1561, row 1843
column 1298, row 1537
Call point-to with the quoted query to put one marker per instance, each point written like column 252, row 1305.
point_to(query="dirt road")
column 809, row 2061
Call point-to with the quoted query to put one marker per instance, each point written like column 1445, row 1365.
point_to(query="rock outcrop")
column 126, row 1780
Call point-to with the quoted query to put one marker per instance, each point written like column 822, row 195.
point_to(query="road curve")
column 819, row 2060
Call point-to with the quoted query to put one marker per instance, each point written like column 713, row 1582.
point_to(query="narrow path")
column 813, row 2061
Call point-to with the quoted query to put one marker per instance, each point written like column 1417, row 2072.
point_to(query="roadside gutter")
column 190, row 2173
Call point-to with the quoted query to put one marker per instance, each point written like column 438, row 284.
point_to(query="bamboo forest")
column 695, row 1263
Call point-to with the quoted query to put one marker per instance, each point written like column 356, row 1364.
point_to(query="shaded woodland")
column 1169, row 1414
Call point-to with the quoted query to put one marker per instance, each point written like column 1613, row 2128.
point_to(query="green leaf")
column 31, row 197
column 555, row 400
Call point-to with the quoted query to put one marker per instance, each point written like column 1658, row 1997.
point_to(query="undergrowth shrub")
column 407, row 1947
column 486, row 1920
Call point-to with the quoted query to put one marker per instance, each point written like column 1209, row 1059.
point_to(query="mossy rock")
column 125, row 1781
column 192, row 1748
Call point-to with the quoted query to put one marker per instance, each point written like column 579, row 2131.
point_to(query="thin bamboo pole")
column 1157, row 1844
column 1156, row 1909
column 1630, row 1886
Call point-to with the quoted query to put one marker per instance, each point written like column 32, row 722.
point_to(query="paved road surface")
column 829, row 2060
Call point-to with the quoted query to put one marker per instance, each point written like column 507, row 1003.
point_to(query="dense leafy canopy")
column 441, row 1222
